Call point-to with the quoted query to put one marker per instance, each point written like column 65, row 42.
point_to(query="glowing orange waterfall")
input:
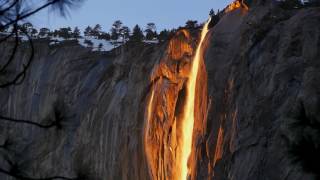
column 188, row 117
column 147, row 128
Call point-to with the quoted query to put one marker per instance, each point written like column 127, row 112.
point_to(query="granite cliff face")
column 121, row 111
column 263, row 69
column 101, row 98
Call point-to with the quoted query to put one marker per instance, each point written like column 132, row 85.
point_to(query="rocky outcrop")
column 163, row 123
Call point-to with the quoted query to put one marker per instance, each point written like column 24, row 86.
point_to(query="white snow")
column 59, row 39
column 154, row 41
column 56, row 40
column 106, row 45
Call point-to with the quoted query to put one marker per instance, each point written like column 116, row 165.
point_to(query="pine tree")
column 190, row 24
column 125, row 32
column 26, row 27
column 116, row 30
column 44, row 32
column 137, row 34
column 88, row 31
column 163, row 35
column 215, row 18
column 105, row 36
column 96, row 30
column 212, row 13
column 114, row 34
column 151, row 31
column 65, row 32
column 33, row 32
column 76, row 32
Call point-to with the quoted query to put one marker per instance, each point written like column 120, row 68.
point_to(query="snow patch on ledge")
column 95, row 45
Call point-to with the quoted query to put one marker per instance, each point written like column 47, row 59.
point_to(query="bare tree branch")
column 8, row 8
column 23, row 16
column 21, row 75
column 13, row 51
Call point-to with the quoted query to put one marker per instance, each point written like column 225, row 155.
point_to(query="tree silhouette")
column 125, row 33
column 44, row 32
column 96, row 31
column 65, row 32
column 116, row 30
column 27, row 27
column 163, row 35
column 190, row 24
column 88, row 31
column 76, row 33
column 105, row 36
column 137, row 34
column 151, row 31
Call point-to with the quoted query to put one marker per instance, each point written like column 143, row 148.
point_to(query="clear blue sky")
column 165, row 13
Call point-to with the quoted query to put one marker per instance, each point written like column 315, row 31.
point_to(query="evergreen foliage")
column 137, row 34
column 116, row 30
column 88, row 31
column 44, row 32
column 76, row 33
column 151, row 31
column 191, row 24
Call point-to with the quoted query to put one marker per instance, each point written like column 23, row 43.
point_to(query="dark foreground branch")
column 28, row 14
column 20, row 76
column 2, row 11
column 13, row 53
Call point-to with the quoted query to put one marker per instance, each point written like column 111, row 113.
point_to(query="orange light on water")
column 148, row 149
column 219, row 147
column 188, row 117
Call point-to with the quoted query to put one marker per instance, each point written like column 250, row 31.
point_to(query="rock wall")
column 263, row 68
column 101, row 99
